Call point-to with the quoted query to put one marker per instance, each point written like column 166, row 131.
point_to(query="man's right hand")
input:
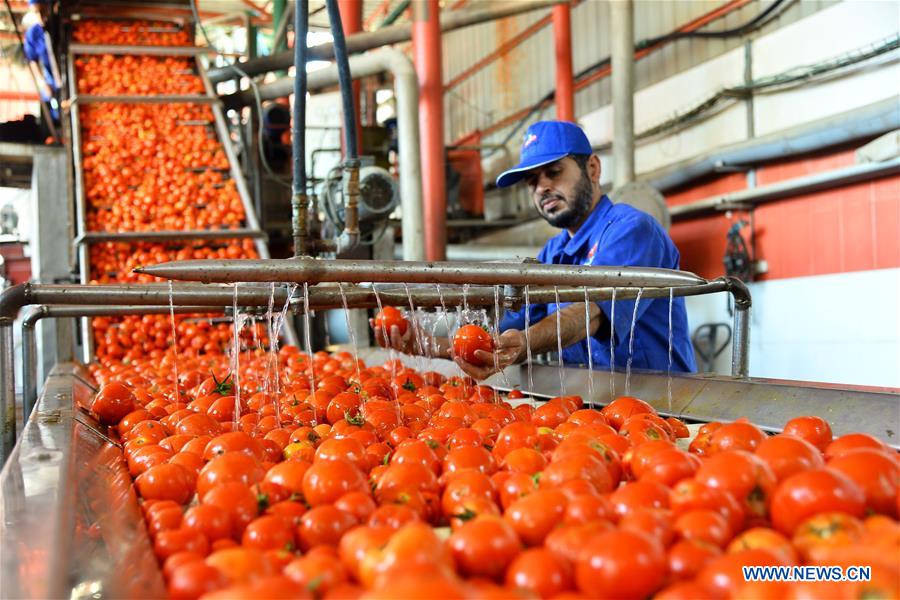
column 405, row 343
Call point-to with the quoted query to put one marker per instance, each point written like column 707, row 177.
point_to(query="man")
column 39, row 54
column 563, row 175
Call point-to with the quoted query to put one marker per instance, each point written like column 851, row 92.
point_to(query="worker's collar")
column 576, row 242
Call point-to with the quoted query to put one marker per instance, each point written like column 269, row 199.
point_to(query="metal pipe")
column 479, row 252
column 868, row 121
column 299, row 199
column 352, row 23
column 406, row 91
column 427, row 52
column 483, row 12
column 309, row 270
column 7, row 391
column 155, row 99
column 622, row 28
column 29, row 345
column 786, row 189
column 562, row 41
column 95, row 237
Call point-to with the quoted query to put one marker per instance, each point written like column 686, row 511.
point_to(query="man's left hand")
column 510, row 350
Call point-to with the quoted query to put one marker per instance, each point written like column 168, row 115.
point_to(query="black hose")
column 346, row 81
column 298, row 127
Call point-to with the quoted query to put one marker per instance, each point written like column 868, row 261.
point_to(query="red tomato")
column 745, row 476
column 484, row 547
column 623, row 407
column 166, row 482
column 620, row 564
column 787, row 454
column 811, row 492
column 390, row 317
column 876, row 472
column 687, row 557
column 533, row 516
column 814, row 430
column 852, row 441
column 112, row 403
column 539, row 571
column 468, row 340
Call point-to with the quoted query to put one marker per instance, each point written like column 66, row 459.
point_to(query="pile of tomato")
column 130, row 32
column 136, row 75
column 327, row 478
column 151, row 167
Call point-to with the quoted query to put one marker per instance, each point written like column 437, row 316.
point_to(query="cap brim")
column 517, row 173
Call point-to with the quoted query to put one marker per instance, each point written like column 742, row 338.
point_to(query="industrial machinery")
column 70, row 521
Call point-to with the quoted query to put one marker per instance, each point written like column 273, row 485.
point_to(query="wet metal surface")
column 69, row 519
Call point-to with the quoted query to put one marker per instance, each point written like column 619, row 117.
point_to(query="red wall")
column 854, row 228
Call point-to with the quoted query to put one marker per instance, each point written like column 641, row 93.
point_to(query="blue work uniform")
column 620, row 235
column 36, row 50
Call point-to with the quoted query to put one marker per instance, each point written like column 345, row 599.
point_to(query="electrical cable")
column 758, row 21
column 342, row 60
column 298, row 130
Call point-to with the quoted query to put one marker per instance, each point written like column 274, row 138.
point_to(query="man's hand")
column 510, row 349
column 405, row 343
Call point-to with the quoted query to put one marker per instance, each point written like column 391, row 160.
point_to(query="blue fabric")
column 36, row 50
column 620, row 235
column 546, row 142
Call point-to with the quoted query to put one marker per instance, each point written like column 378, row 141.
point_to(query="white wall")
column 825, row 34
column 841, row 328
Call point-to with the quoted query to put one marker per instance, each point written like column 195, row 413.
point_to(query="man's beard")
column 577, row 208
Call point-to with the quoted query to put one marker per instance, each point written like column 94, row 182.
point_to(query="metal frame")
column 85, row 237
column 30, row 321
column 309, row 270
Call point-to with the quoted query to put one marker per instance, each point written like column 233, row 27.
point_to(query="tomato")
column 586, row 467
column 238, row 501
column 814, row 430
column 876, row 472
column 705, row 525
column 766, row 539
column 639, row 494
column 169, row 542
column 484, row 547
column 359, row 504
column 811, row 492
column 393, row 516
column 540, row 572
column 583, row 508
column 623, row 407
column 390, row 317
column 550, row 415
column 524, row 460
column 852, row 441
column 738, row 435
column 113, row 402
column 166, row 482
column 240, row 565
column 346, row 448
column 132, row 419
column 826, row 530
column 725, row 574
column 787, row 454
column 470, row 339
column 323, row 525
column 655, row 522
column 411, row 548
column 194, row 579
column 621, row 564
column 231, row 466
column 690, row 494
column 326, row 481
column 212, row 521
column 687, row 557
column 469, row 457
column 533, row 516
column 669, row 467
column 235, row 441
column 743, row 475
column 358, row 542
column 567, row 540
column 317, row 574
column 269, row 532
column 467, row 484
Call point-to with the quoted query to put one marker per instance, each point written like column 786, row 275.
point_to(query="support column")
column 562, row 40
column 621, row 25
column 427, row 56
column 351, row 19
column 278, row 11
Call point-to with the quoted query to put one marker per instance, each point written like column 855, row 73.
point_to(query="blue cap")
column 543, row 143
column 33, row 2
